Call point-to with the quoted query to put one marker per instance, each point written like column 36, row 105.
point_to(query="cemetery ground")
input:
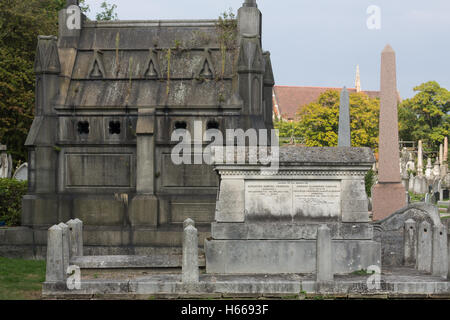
column 21, row 279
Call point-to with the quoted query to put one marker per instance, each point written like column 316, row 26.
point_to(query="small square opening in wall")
column 212, row 124
column 180, row 125
column 83, row 127
column 114, row 127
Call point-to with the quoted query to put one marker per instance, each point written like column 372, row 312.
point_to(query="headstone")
column 76, row 237
column 324, row 255
column 55, row 271
column 344, row 136
column 389, row 193
column 410, row 243
column 411, row 182
column 437, row 168
column 190, row 255
column 21, row 173
column 424, row 247
column 440, row 253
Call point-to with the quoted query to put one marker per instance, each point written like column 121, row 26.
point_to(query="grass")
column 21, row 279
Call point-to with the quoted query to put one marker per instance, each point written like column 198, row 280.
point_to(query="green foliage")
column 11, row 193
column 20, row 24
column 319, row 121
column 108, row 13
column 21, row 279
column 416, row 197
column 370, row 181
column 425, row 116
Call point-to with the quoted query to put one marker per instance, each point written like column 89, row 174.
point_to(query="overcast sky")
column 320, row 42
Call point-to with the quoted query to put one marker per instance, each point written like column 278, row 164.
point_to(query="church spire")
column 358, row 80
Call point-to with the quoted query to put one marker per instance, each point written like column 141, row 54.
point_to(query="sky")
column 320, row 42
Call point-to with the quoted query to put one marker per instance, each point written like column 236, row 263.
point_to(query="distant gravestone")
column 21, row 173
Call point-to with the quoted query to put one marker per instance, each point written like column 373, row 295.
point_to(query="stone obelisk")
column 344, row 136
column 389, row 195
column 420, row 159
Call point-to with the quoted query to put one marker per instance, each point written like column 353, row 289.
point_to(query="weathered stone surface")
column 439, row 266
column 76, row 237
column 344, row 137
column 324, row 255
column 424, row 247
column 390, row 231
column 190, row 255
column 55, row 271
column 289, row 231
column 286, row 256
column 410, row 242
column 389, row 193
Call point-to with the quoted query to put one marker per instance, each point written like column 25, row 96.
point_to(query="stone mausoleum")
column 108, row 97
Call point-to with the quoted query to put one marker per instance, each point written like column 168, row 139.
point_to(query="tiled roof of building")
column 289, row 99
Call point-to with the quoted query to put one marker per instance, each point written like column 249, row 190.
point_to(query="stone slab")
column 286, row 256
column 128, row 261
column 405, row 283
column 273, row 231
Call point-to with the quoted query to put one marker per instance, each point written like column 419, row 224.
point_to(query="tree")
column 20, row 24
column 319, row 121
column 425, row 116
column 108, row 12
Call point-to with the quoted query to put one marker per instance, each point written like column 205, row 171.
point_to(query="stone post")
column 344, row 135
column 144, row 206
column 410, row 243
column 420, row 159
column 389, row 193
column 190, row 255
column 76, row 237
column 440, row 253
column 424, row 247
column 445, row 171
column 55, row 261
column 324, row 255
column 66, row 245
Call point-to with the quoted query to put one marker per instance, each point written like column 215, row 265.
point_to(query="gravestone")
column 389, row 193
column 267, row 224
column 21, row 173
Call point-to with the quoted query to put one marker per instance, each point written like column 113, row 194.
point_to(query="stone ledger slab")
column 286, row 256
